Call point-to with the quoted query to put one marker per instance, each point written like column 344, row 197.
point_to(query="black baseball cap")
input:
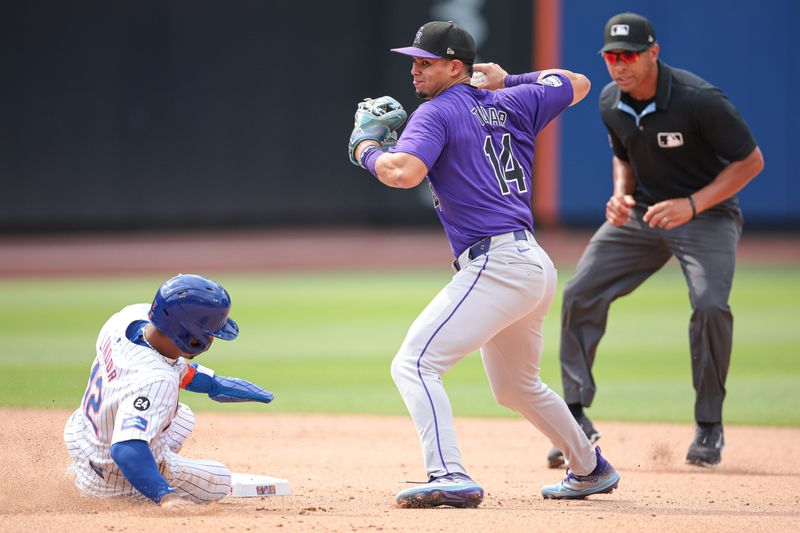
column 628, row 31
column 441, row 40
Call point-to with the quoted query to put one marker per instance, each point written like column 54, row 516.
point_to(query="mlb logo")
column 620, row 29
column 266, row 490
column 670, row 139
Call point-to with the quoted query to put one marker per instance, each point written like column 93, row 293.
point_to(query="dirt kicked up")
column 345, row 470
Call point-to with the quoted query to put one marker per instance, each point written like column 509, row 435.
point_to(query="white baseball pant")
column 496, row 302
column 197, row 480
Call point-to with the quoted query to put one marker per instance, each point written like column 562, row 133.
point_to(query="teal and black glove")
column 376, row 120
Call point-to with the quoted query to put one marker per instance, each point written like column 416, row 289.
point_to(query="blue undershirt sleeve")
column 137, row 464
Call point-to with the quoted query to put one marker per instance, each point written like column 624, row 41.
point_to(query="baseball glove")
column 376, row 120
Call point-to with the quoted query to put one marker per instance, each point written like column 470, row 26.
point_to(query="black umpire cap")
column 628, row 31
column 441, row 40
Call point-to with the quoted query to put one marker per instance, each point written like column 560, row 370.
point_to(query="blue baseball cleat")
column 455, row 490
column 603, row 480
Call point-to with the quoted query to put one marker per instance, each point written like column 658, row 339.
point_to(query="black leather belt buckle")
column 477, row 250
column 483, row 245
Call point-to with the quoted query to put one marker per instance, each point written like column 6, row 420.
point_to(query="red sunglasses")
column 626, row 57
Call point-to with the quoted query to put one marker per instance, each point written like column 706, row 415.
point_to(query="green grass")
column 324, row 342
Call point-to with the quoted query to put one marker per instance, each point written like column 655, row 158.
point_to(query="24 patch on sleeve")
column 142, row 403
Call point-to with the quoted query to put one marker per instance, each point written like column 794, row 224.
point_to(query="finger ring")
column 665, row 219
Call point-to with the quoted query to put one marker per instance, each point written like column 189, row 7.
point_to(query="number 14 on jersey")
column 506, row 168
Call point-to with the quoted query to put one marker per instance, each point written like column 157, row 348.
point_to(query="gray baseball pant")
column 619, row 259
column 496, row 302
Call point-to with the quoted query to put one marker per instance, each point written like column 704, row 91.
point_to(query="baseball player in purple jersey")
column 125, row 437
column 475, row 145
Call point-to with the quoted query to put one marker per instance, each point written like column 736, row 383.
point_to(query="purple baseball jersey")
column 478, row 148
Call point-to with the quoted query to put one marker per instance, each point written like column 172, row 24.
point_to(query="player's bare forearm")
column 677, row 211
column 624, row 178
column 731, row 180
column 618, row 207
column 398, row 169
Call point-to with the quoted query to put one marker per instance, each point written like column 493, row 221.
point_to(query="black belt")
column 483, row 245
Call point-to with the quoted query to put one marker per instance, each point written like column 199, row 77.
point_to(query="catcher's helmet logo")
column 672, row 139
column 141, row 403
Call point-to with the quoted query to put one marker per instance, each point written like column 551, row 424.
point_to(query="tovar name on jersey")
column 489, row 115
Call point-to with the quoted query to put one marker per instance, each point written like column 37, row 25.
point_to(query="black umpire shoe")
column 706, row 449
column 555, row 458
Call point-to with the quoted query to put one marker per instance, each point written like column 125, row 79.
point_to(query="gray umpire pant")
column 619, row 259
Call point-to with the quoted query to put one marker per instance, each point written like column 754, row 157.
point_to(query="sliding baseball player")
column 125, row 437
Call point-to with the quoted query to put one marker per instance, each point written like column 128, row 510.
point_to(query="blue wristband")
column 369, row 157
column 519, row 79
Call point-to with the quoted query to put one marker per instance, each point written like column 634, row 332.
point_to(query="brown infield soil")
column 344, row 470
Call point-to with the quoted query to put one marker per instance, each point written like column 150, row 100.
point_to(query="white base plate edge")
column 254, row 486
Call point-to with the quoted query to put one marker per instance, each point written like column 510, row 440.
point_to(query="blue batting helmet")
column 190, row 309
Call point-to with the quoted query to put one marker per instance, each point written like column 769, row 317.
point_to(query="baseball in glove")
column 376, row 120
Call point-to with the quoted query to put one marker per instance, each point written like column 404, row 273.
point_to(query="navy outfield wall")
column 165, row 113
column 744, row 47
column 187, row 113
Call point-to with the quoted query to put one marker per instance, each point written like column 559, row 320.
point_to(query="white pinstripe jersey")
column 132, row 392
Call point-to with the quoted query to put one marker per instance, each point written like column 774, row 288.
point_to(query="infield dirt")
column 345, row 470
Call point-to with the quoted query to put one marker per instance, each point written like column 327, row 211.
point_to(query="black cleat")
column 706, row 449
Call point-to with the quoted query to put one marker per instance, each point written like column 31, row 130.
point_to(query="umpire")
column 681, row 152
